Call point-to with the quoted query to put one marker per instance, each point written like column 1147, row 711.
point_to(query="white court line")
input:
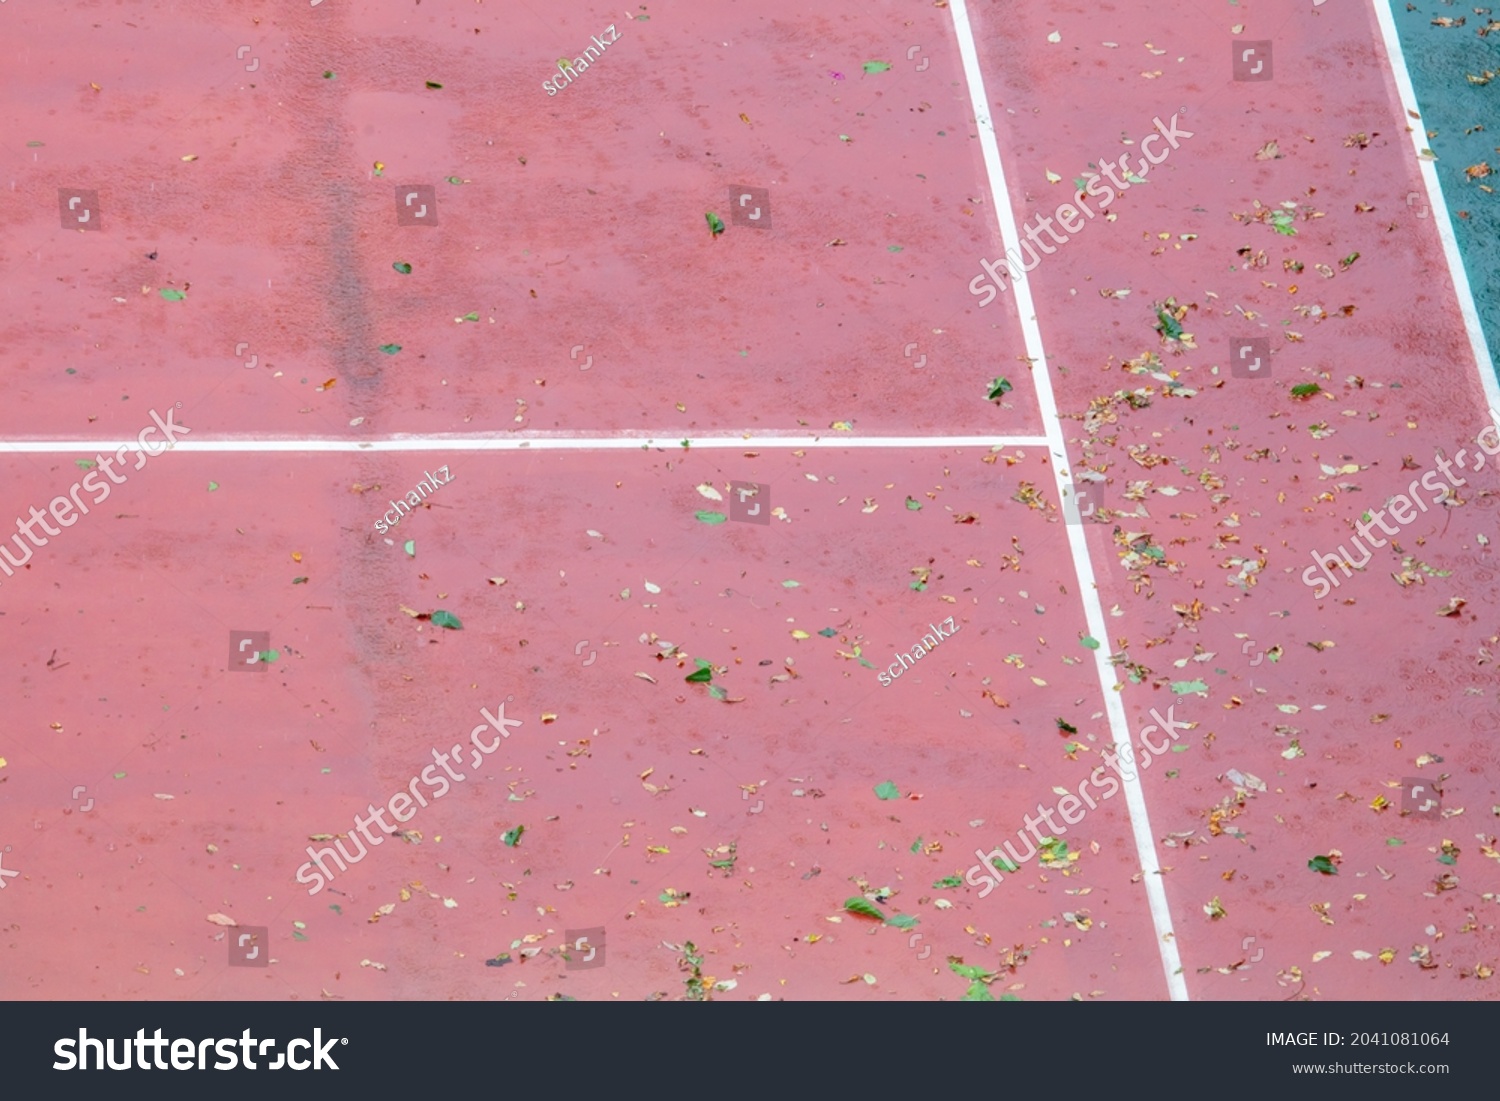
column 520, row 442
column 1441, row 219
column 1135, row 800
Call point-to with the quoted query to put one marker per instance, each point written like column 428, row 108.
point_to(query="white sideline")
column 517, row 441
column 1135, row 800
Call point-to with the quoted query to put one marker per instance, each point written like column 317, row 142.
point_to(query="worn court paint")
column 785, row 769
column 138, row 599
column 576, row 232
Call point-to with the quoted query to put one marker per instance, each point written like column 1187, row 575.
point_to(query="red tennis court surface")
column 359, row 250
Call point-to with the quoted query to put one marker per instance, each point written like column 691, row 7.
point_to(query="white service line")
column 516, row 441
column 1441, row 219
column 1041, row 377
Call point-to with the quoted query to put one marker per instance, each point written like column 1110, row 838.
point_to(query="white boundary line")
column 519, row 442
column 1441, row 218
column 1135, row 800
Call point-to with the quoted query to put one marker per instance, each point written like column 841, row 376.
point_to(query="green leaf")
column 1306, row 390
column 172, row 295
column 441, row 618
column 299, row 581
column 329, row 74
column 711, row 517
column 390, row 349
column 34, row 144
column 212, row 486
column 827, row 632
column 1000, row 387
column 1066, row 727
column 715, row 223
column 1348, row 261
column 948, row 881
column 1394, row 841
column 1447, row 858
column 791, row 584
column 877, row 66
column 717, row 693
column 913, row 505
column 1323, row 865
column 893, row 248
column 455, row 180
column 402, row 266
column 1167, row 325
column 902, row 921
column 85, row 464
column 298, row 936
column 1055, row 847
column 702, row 675
column 1090, row 641
column 410, row 547
column 512, row 838
column 858, row 905
column 965, row 971
column 1183, row 687
column 1281, row 222
column 977, row 992
column 471, row 316
column 433, row 84
column 887, row 790
column 337, row 909
column 268, row 656
column 916, row 846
